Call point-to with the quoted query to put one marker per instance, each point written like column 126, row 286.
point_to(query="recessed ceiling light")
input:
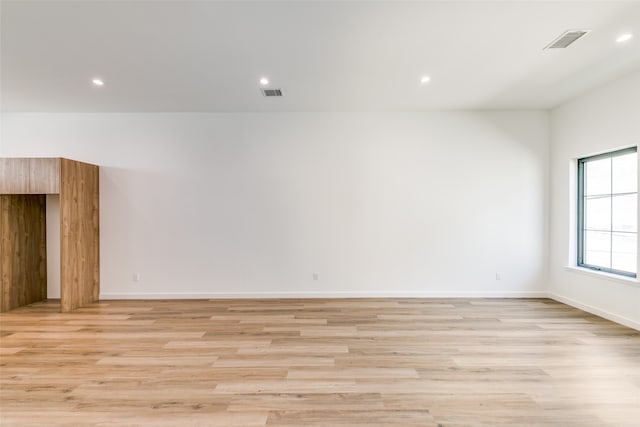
column 97, row 82
column 425, row 79
column 264, row 81
column 624, row 38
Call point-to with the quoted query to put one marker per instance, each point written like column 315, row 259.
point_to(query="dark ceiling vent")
column 566, row 39
column 271, row 92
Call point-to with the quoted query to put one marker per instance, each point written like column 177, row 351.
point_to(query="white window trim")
column 631, row 281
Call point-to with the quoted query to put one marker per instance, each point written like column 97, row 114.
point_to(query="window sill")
column 633, row 281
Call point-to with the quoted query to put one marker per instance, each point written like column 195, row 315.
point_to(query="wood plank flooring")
column 316, row 362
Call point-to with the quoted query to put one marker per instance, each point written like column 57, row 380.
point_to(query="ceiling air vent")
column 566, row 39
column 271, row 92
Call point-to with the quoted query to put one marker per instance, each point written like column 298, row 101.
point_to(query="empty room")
column 319, row 213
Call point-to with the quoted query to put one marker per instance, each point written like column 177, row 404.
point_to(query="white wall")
column 53, row 246
column 602, row 120
column 253, row 204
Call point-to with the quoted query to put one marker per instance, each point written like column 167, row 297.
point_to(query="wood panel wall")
column 29, row 176
column 44, row 176
column 23, row 185
column 79, row 234
column 14, row 176
column 23, row 250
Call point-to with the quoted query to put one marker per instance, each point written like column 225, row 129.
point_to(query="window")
column 608, row 212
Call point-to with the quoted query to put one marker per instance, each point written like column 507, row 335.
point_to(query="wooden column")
column 23, row 185
column 79, row 235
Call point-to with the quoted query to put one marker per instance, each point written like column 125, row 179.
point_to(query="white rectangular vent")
column 272, row 92
column 566, row 39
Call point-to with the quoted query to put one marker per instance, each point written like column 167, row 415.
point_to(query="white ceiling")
column 325, row 55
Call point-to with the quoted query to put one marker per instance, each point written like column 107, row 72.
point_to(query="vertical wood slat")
column 23, row 253
column 79, row 234
column 14, row 176
column 44, row 176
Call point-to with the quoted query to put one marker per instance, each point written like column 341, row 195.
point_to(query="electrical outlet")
column 136, row 277
column 315, row 276
column 498, row 277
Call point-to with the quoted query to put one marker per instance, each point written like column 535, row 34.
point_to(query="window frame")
column 580, row 236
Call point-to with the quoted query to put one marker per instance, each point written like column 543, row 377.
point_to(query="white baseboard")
column 237, row 295
column 597, row 311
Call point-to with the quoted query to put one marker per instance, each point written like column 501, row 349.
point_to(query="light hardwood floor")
column 368, row 362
